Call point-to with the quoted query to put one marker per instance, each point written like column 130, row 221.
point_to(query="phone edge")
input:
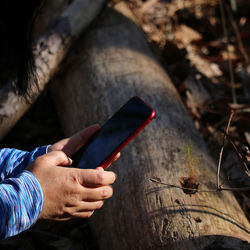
column 106, row 163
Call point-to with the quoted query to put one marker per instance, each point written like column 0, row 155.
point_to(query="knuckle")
column 114, row 177
column 106, row 192
column 77, row 191
column 75, row 196
column 58, row 154
column 40, row 159
column 73, row 200
column 67, row 212
column 74, row 177
column 100, row 177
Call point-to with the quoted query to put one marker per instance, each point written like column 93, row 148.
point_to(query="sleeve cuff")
column 47, row 148
column 38, row 152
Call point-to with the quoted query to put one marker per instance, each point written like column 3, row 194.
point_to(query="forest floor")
column 210, row 67
column 205, row 48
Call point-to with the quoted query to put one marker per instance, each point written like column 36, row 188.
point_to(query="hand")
column 70, row 145
column 70, row 192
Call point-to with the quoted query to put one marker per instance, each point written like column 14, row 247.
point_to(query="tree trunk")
column 50, row 49
column 49, row 11
column 116, row 64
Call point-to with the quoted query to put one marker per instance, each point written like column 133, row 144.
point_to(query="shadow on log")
column 116, row 64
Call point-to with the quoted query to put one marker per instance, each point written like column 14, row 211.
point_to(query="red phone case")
column 137, row 131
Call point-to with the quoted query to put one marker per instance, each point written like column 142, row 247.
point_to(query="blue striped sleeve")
column 21, row 196
column 21, row 203
column 14, row 161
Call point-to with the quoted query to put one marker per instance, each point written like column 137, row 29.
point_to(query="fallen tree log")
column 116, row 64
column 50, row 48
column 47, row 13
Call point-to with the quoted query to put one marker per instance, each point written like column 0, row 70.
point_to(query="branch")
column 200, row 191
column 243, row 163
column 230, row 66
column 222, row 148
column 237, row 34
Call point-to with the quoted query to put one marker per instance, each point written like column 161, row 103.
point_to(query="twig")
column 243, row 164
column 219, row 187
column 200, row 191
column 183, row 188
column 239, row 107
column 224, row 181
column 237, row 34
column 228, row 54
column 222, row 148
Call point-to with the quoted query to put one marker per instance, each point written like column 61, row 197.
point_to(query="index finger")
column 95, row 177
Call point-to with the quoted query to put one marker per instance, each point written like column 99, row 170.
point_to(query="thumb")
column 58, row 158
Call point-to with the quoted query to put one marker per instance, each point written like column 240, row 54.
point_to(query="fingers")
column 70, row 145
column 83, row 209
column 97, row 194
column 83, row 214
column 87, row 206
column 56, row 158
column 95, row 177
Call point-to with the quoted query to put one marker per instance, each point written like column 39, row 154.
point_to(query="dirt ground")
column 209, row 66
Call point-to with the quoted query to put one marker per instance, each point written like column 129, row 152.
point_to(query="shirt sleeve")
column 21, row 196
column 21, row 203
column 14, row 161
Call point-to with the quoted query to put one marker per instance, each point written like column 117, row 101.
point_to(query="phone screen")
column 116, row 132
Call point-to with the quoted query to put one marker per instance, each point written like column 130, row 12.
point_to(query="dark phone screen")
column 114, row 132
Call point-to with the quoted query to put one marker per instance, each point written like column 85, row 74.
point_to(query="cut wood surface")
column 116, row 64
column 50, row 48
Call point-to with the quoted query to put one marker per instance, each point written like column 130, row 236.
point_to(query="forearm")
column 21, row 203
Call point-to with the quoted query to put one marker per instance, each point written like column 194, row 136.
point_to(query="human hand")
column 70, row 192
column 70, row 145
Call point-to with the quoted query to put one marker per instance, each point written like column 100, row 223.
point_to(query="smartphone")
column 116, row 133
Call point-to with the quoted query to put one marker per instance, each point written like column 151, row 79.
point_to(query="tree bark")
column 116, row 64
column 50, row 48
column 48, row 12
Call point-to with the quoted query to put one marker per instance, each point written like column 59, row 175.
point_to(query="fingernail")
column 100, row 169
column 70, row 160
